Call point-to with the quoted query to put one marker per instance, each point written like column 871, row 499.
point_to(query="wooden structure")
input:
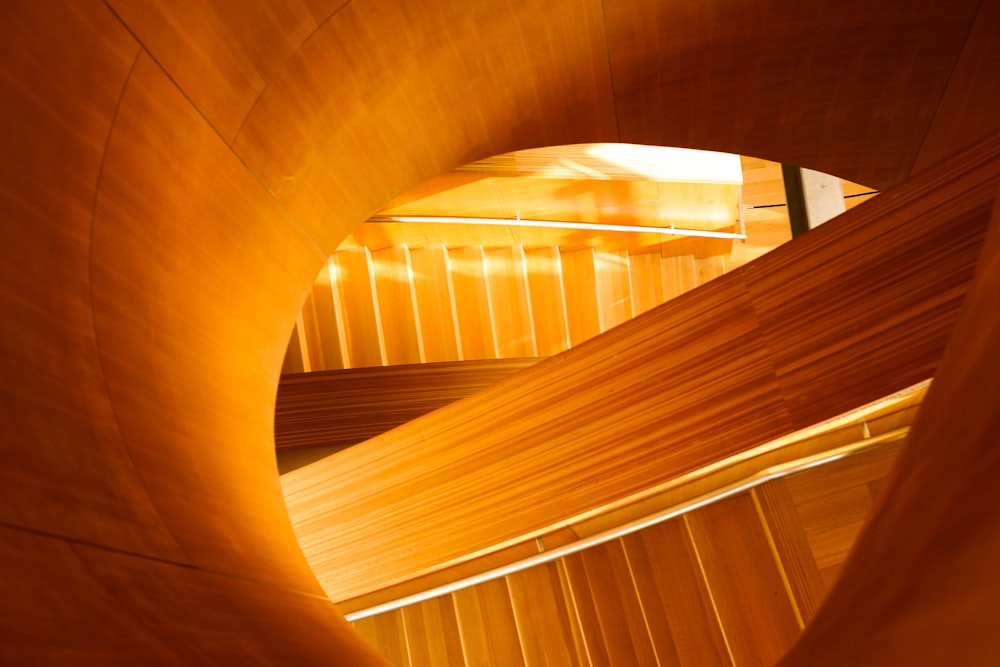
column 175, row 173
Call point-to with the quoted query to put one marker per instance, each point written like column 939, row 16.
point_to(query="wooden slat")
column 791, row 547
column 579, row 275
column 342, row 408
column 472, row 303
column 432, row 634
column 387, row 634
column 646, row 285
column 545, row 621
column 614, row 290
column 509, row 302
column 607, row 603
column 682, row 621
column 487, row 625
column 435, row 303
column 357, row 308
column 319, row 315
column 396, row 306
column 756, row 614
column 547, row 301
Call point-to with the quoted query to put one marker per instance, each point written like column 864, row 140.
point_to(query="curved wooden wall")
column 174, row 173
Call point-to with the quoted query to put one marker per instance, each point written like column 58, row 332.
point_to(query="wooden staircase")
column 730, row 583
column 403, row 305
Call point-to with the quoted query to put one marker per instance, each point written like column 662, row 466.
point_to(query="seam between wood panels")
column 567, row 587
column 239, row 158
column 458, row 625
column 944, row 91
column 777, row 559
column 93, row 312
column 517, row 623
column 638, row 597
column 708, row 588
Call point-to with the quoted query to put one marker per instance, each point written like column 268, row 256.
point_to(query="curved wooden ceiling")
column 174, row 173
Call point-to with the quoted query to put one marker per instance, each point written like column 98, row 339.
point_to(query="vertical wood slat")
column 679, row 275
column 545, row 620
column 777, row 510
column 435, row 301
column 646, row 276
column 386, row 632
column 396, row 307
column 487, row 625
column 675, row 600
column 354, row 296
column 608, row 605
column 744, row 579
column 472, row 304
column 294, row 361
column 580, row 293
column 614, row 290
column 509, row 303
column 547, row 300
column 432, row 634
column 319, row 317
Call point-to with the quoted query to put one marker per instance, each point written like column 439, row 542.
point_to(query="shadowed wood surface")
column 936, row 603
column 343, row 408
column 693, row 381
column 175, row 173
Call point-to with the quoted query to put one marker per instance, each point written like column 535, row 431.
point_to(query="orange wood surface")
column 358, row 310
column 706, row 377
column 435, row 303
column 175, row 173
column 343, row 408
column 920, row 587
column 547, row 623
column 432, row 634
column 487, row 625
column 386, row 633
column 397, row 306
column 683, row 624
column 741, row 586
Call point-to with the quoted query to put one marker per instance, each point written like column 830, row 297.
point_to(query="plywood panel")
column 545, row 619
column 487, row 625
column 387, row 633
column 397, row 306
column 357, row 308
column 435, row 303
column 472, row 303
column 432, row 634
column 750, row 596
column 547, row 301
column 511, row 309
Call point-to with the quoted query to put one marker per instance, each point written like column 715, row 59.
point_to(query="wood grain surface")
column 727, row 366
column 175, row 174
